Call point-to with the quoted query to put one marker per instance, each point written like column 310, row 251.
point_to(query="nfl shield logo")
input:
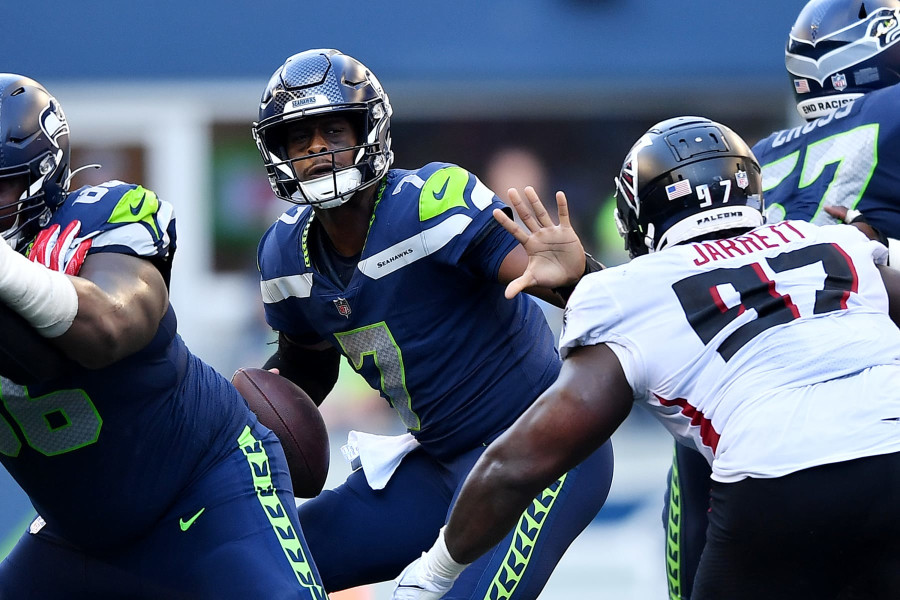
column 741, row 178
column 839, row 81
column 342, row 306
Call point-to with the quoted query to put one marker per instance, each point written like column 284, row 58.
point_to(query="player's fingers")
column 510, row 225
column 523, row 210
column 44, row 240
column 838, row 212
column 519, row 284
column 61, row 248
column 77, row 259
column 562, row 209
column 540, row 212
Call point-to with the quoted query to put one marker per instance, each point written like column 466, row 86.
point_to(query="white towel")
column 379, row 455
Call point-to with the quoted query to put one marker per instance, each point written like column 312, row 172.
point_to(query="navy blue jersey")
column 73, row 442
column 423, row 318
column 847, row 159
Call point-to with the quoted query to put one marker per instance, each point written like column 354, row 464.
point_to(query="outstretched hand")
column 555, row 254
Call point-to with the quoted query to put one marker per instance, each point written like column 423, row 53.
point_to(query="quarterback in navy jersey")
column 150, row 475
column 843, row 60
column 403, row 272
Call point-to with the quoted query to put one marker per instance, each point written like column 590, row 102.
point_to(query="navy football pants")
column 246, row 543
column 360, row 536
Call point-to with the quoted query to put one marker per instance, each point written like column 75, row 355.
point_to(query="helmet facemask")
column 342, row 181
column 29, row 214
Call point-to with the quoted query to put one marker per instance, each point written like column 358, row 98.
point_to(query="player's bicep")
column 130, row 282
column 121, row 300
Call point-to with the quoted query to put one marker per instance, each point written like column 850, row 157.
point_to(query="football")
column 291, row 414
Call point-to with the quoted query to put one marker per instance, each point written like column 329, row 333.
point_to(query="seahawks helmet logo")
column 53, row 122
column 886, row 29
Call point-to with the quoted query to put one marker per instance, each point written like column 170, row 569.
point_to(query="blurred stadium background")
column 549, row 93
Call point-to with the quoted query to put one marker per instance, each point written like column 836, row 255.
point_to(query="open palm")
column 555, row 254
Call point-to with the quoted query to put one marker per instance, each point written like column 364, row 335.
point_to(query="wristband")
column 591, row 265
column 44, row 298
column 854, row 216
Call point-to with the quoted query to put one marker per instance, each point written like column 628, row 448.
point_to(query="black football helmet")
column 34, row 144
column 313, row 83
column 840, row 49
column 686, row 177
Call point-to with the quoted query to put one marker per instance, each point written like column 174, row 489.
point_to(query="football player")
column 402, row 272
column 748, row 342
column 151, row 476
column 843, row 60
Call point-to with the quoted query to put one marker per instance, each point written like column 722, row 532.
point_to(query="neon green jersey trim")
column 277, row 514
column 673, row 535
column 525, row 538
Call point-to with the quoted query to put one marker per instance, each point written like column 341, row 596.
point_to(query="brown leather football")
column 291, row 414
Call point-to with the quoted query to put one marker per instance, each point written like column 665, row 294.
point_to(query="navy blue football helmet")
column 314, row 83
column 34, row 144
column 683, row 179
column 840, row 49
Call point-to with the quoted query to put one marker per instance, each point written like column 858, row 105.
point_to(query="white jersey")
column 770, row 352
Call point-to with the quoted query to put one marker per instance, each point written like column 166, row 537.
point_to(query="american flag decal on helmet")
column 343, row 307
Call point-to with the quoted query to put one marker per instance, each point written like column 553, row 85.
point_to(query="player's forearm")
column 315, row 369
column 488, row 508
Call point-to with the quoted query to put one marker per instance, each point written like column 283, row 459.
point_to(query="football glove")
column 57, row 250
column 430, row 576
column 419, row 582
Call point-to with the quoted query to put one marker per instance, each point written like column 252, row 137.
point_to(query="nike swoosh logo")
column 135, row 210
column 185, row 525
column 440, row 194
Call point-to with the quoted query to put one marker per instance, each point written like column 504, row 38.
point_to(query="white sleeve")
column 594, row 316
